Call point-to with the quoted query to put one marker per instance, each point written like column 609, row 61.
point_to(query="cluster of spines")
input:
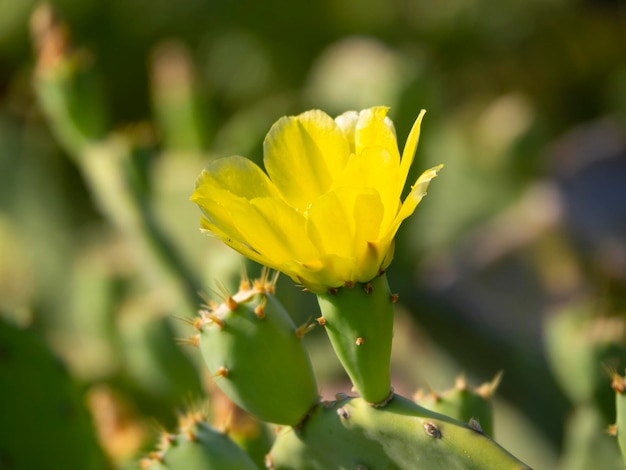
column 212, row 312
column 187, row 424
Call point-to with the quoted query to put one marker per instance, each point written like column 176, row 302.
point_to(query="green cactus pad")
column 582, row 344
column 198, row 446
column 351, row 434
column 587, row 444
column 359, row 323
column 153, row 360
column 254, row 351
column 464, row 403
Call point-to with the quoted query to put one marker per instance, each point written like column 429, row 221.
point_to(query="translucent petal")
column 234, row 243
column 273, row 229
column 347, row 123
column 238, row 175
column 214, row 205
column 374, row 129
column 303, row 155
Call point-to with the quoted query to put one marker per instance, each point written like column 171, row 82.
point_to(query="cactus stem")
column 359, row 341
column 432, row 430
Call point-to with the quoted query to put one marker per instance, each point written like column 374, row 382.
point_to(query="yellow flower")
column 328, row 209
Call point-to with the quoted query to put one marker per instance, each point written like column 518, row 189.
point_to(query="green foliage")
column 44, row 420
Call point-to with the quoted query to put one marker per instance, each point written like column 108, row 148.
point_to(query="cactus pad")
column 255, row 352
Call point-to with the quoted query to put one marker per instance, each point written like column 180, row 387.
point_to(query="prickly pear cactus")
column 465, row 403
column 197, row 446
column 359, row 323
column 256, row 356
column 255, row 352
column 351, row 434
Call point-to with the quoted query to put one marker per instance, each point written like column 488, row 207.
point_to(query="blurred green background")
column 516, row 261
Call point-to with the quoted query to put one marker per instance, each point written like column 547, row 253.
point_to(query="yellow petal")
column 214, row 202
column 335, row 271
column 375, row 129
column 375, row 168
column 273, row 229
column 237, row 175
column 341, row 223
column 224, row 181
column 418, row 191
column 235, row 243
column 347, row 123
column 303, row 155
column 408, row 154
